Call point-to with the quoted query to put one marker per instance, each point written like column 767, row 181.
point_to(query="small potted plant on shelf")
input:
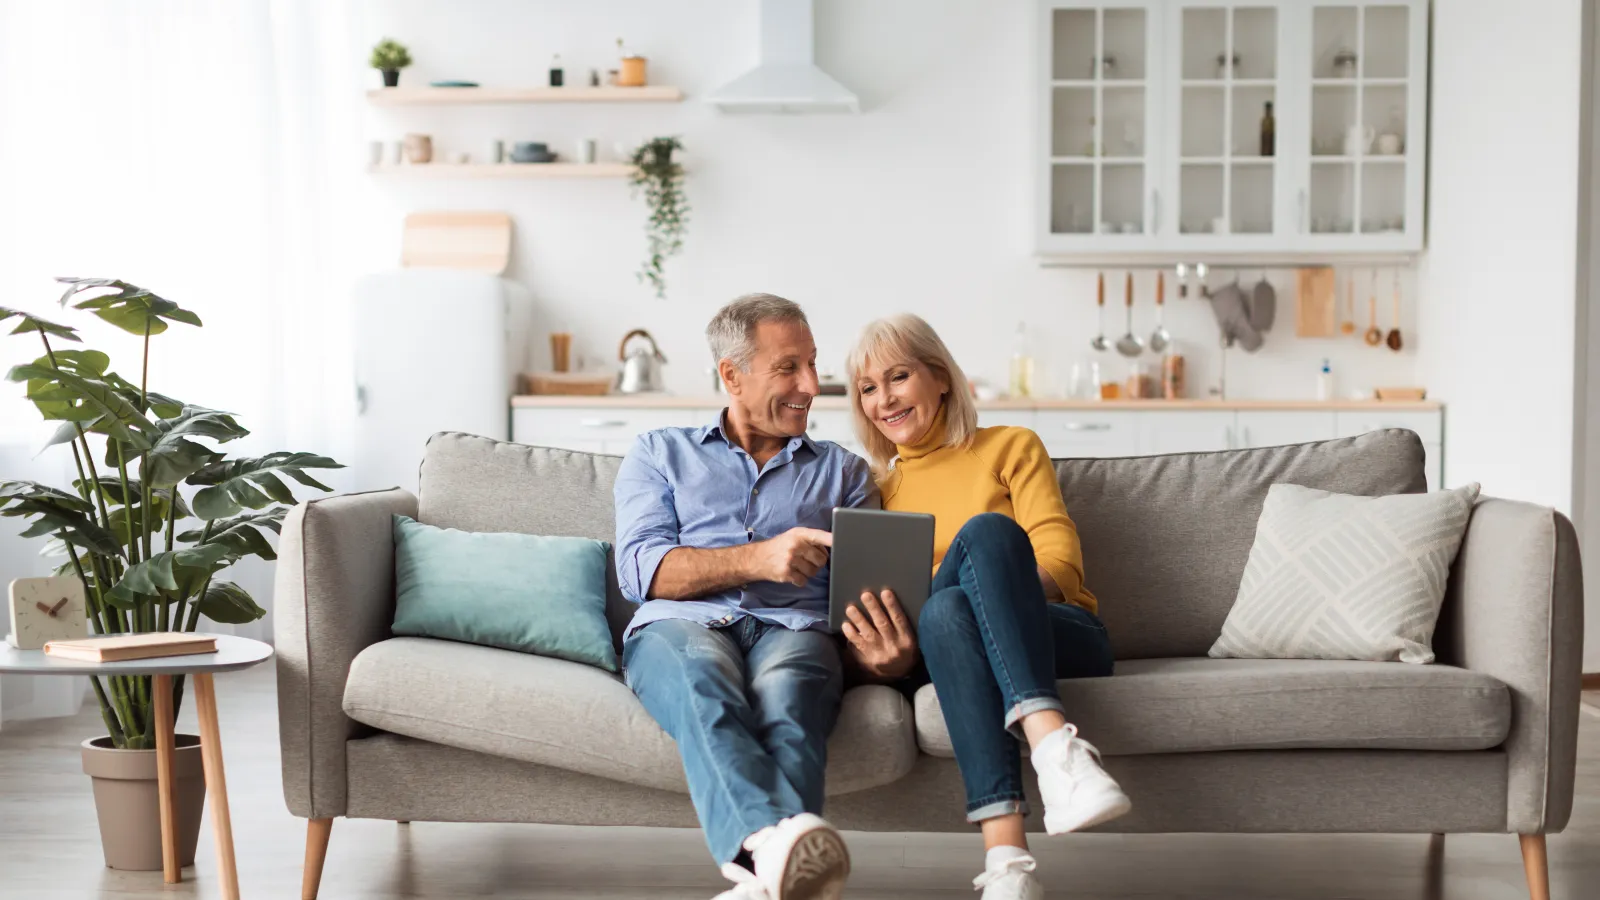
column 661, row 179
column 389, row 57
column 147, row 555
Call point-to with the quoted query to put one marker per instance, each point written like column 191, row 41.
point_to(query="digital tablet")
column 874, row 550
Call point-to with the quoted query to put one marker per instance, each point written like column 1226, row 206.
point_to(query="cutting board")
column 472, row 241
column 1317, row 304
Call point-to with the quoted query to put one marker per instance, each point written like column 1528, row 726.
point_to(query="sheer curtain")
column 210, row 151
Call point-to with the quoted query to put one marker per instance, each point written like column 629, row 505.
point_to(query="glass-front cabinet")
column 1258, row 128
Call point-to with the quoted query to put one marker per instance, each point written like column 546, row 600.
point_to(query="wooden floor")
column 49, row 846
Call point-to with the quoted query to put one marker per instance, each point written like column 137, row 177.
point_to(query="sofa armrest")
column 1514, row 610
column 334, row 596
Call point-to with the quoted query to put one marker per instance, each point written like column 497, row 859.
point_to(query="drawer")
column 1087, row 433
column 1427, row 424
column 569, row 426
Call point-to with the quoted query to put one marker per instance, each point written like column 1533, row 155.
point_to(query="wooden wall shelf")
column 505, row 170
column 431, row 96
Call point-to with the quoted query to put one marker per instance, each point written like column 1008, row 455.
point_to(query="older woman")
column 1009, row 613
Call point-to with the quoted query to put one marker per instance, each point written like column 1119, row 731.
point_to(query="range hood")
column 786, row 80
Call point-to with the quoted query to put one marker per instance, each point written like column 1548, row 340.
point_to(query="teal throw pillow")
column 526, row 592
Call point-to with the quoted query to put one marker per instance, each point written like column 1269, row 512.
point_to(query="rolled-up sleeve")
column 647, row 521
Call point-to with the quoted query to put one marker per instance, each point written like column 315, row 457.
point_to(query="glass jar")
column 1344, row 63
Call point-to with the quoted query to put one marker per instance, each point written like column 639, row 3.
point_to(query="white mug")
column 1358, row 140
column 586, row 150
column 1389, row 144
column 375, row 153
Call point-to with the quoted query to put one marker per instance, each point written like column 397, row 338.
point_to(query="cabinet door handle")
column 1088, row 426
column 361, row 399
column 1227, row 437
column 1303, row 225
column 1155, row 212
column 1244, row 436
column 602, row 423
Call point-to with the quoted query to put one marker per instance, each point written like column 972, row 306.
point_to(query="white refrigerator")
column 435, row 350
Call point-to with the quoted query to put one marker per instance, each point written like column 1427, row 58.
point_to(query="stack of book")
column 119, row 647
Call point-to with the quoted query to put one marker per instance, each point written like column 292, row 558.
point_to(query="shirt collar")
column 718, row 429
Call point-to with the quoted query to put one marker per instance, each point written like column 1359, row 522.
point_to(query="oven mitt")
column 1233, row 318
column 1263, row 306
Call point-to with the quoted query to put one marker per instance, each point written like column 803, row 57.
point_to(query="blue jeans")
column 994, row 648
column 751, row 705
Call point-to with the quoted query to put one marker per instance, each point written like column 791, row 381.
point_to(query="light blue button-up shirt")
column 692, row 487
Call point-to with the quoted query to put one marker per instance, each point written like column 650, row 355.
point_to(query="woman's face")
column 901, row 398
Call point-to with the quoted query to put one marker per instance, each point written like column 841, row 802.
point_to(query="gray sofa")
column 374, row 726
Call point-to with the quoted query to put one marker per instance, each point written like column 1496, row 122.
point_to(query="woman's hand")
column 1052, row 591
column 882, row 642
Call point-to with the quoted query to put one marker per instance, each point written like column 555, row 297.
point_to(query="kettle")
column 641, row 369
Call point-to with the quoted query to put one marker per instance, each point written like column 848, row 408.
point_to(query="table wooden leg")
column 205, row 695
column 170, row 872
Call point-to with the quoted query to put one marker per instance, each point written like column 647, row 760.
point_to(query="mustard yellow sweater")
column 1005, row 470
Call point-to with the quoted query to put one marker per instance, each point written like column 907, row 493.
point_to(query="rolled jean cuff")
column 1027, row 707
column 993, row 807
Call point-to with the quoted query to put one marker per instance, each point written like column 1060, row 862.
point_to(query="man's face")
column 775, row 395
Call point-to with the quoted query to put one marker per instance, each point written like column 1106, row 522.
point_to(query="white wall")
column 921, row 203
column 1499, row 281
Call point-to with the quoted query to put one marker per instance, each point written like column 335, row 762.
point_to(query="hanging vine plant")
column 662, row 182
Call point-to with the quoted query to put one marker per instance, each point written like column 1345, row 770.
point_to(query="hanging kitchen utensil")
column 641, row 368
column 1263, row 305
column 1348, row 326
column 1395, row 342
column 1316, row 302
column 1374, row 335
column 1183, row 281
column 1160, row 339
column 1100, row 343
column 1233, row 318
column 1129, row 344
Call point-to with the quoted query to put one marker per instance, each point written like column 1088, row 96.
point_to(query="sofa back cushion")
column 1165, row 538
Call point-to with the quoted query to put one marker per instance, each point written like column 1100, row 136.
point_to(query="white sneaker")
column 1077, row 793
column 1011, row 880
column 800, row 858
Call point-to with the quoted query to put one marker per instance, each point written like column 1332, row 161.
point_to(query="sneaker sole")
column 817, row 867
column 1114, row 807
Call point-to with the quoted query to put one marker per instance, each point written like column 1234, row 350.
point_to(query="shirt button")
column 754, row 491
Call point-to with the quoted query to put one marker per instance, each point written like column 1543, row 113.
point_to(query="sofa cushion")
column 1189, row 705
column 1165, row 538
column 581, row 718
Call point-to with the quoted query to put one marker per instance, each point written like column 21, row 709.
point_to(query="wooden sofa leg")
column 317, row 832
column 1537, row 865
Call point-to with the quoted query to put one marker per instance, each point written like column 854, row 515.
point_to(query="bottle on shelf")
column 558, row 77
column 1325, row 382
column 1269, row 128
column 1021, row 364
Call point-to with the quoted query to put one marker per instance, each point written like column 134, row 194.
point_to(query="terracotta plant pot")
column 130, row 813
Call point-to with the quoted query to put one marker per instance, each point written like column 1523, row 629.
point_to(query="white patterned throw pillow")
column 1336, row 576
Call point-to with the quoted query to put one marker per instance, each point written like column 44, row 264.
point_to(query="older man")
column 722, row 538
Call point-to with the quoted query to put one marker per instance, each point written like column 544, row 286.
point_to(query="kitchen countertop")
column 708, row 401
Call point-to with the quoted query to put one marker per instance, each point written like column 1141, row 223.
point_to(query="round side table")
column 232, row 654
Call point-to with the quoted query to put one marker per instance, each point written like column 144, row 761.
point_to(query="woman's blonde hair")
column 907, row 338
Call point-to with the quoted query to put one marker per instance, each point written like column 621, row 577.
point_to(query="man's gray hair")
column 732, row 332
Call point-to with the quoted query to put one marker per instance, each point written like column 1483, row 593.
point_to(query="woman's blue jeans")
column 994, row 648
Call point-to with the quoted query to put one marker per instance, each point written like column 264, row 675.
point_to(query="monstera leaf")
column 56, row 512
column 32, row 323
column 88, row 399
column 174, row 457
column 234, row 486
column 229, row 604
column 129, row 307
column 168, row 573
column 242, row 535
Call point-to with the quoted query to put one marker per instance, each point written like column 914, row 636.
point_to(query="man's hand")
column 792, row 557
column 881, row 639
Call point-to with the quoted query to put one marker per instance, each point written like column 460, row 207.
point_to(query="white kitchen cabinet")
column 1185, row 432
column 598, row 429
column 1080, row 433
column 1273, row 428
column 1150, row 136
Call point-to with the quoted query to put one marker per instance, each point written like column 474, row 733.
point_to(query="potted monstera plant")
column 156, row 513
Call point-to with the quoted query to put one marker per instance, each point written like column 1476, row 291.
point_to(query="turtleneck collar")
column 931, row 440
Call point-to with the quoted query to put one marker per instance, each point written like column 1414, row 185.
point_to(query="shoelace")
column 745, row 884
column 1013, row 866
